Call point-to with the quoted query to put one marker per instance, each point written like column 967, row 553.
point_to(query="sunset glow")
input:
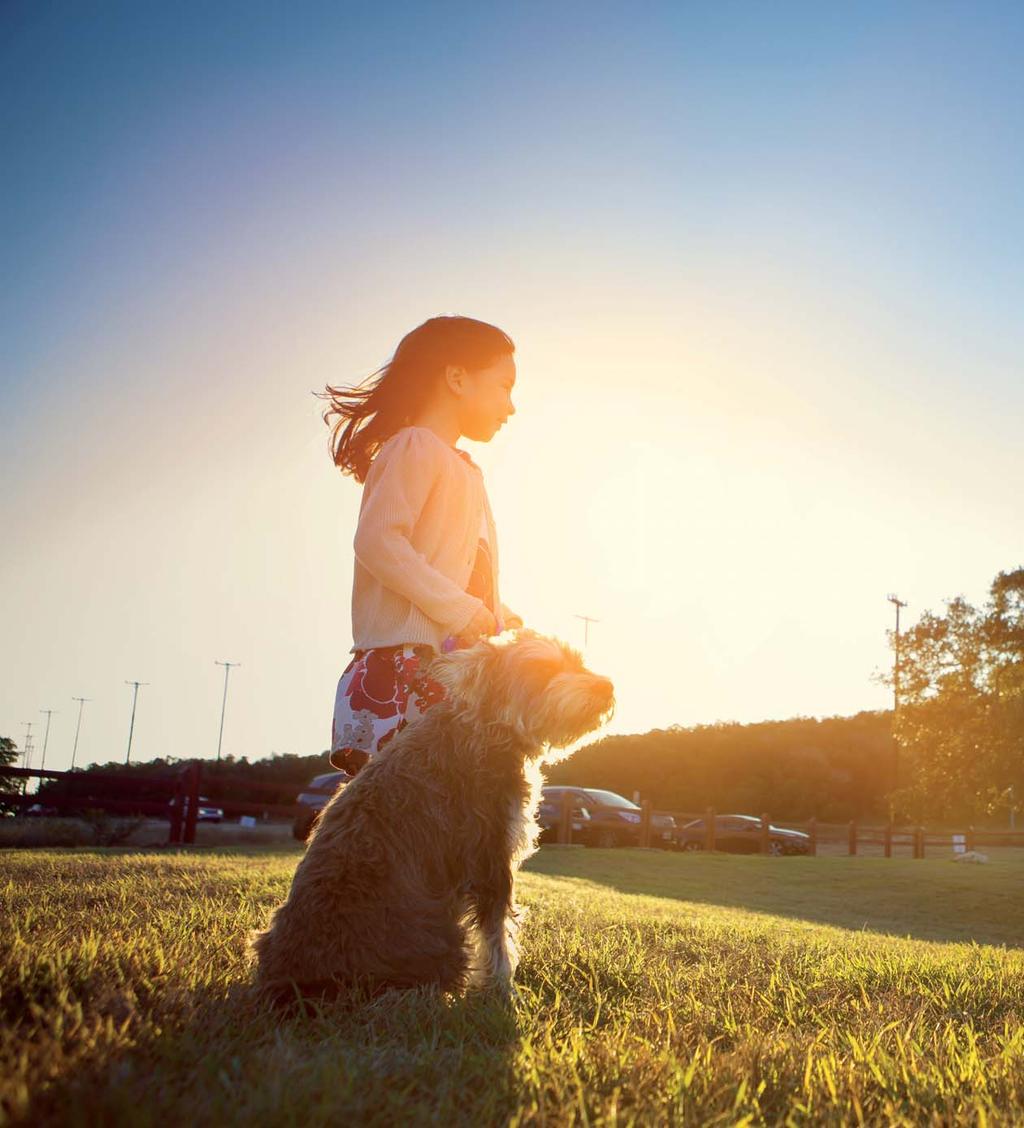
column 767, row 328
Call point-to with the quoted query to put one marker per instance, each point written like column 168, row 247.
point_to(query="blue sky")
column 774, row 250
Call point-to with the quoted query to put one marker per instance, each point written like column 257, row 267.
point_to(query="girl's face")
column 485, row 399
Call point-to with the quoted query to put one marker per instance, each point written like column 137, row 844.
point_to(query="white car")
column 207, row 812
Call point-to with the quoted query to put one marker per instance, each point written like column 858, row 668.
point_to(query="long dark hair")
column 370, row 413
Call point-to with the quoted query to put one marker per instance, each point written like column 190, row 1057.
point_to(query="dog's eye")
column 542, row 672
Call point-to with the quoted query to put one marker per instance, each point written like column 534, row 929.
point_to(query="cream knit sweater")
column 415, row 543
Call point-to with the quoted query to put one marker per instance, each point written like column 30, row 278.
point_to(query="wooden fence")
column 889, row 836
column 173, row 795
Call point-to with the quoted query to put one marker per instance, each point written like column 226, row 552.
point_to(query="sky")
column 762, row 265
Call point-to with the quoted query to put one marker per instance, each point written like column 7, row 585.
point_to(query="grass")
column 656, row 988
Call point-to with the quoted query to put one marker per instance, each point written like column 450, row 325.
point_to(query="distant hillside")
column 834, row 768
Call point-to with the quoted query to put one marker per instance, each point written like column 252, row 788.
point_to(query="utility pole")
column 27, row 746
column 587, row 620
column 223, row 705
column 26, row 754
column 131, row 728
column 46, row 738
column 898, row 603
column 74, row 751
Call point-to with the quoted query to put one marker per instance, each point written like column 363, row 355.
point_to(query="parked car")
column 207, row 811
column 40, row 810
column 603, row 818
column 549, row 818
column 741, row 834
column 313, row 799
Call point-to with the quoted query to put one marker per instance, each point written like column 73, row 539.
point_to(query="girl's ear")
column 463, row 673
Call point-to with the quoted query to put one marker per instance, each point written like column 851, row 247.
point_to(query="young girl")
column 425, row 579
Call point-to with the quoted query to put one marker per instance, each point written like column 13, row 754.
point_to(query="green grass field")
column 655, row 988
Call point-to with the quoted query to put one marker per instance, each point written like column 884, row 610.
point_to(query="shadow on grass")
column 927, row 899
column 224, row 1056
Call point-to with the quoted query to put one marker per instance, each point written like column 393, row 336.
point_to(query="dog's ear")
column 463, row 673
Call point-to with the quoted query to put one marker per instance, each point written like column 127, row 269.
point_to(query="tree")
column 8, row 755
column 960, row 717
column 8, row 751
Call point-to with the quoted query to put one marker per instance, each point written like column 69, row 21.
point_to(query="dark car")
column 741, row 834
column 312, row 800
column 602, row 818
column 549, row 818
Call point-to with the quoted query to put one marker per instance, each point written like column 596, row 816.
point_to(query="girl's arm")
column 397, row 486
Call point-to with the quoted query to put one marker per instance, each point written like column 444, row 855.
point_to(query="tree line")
column 953, row 748
column 833, row 769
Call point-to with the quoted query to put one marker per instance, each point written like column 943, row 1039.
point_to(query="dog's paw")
column 502, row 988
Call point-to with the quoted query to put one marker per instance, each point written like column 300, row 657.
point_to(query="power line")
column 223, row 705
column 74, row 751
column 46, row 738
column 587, row 620
column 26, row 754
column 26, row 748
column 896, row 660
column 898, row 603
column 131, row 728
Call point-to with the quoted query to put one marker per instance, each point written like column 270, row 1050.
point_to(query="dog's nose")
column 603, row 687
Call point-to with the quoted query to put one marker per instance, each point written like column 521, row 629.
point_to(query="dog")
column 408, row 877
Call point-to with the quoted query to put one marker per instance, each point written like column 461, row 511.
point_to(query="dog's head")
column 536, row 685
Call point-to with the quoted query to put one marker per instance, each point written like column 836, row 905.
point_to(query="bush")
column 110, row 831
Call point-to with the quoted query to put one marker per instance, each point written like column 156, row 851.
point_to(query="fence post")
column 765, row 834
column 709, row 828
column 888, row 839
column 812, row 845
column 921, row 834
column 192, row 811
column 969, row 839
column 565, row 824
column 645, row 823
column 853, row 838
column 918, row 852
column 177, row 804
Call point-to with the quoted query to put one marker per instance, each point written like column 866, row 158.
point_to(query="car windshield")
column 610, row 799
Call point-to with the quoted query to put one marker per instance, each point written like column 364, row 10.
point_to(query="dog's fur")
column 409, row 874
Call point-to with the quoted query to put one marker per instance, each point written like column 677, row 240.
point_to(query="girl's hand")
column 481, row 625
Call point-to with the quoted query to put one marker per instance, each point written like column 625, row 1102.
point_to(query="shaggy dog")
column 409, row 875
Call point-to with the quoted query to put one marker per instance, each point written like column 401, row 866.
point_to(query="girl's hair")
column 370, row 413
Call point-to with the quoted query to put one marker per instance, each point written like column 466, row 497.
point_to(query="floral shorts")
column 379, row 692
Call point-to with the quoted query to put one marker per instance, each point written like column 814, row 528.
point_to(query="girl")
column 425, row 579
